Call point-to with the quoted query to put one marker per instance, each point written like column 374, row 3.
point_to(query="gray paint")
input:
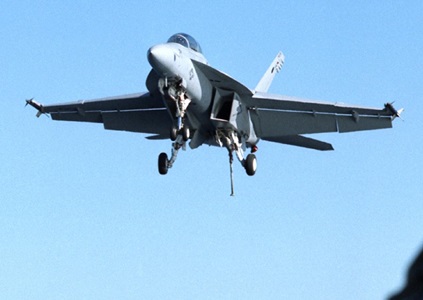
column 219, row 102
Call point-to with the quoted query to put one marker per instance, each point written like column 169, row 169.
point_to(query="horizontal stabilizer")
column 157, row 137
column 301, row 141
column 266, row 80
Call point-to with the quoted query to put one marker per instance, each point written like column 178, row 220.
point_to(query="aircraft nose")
column 160, row 58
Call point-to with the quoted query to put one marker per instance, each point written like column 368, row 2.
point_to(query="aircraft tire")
column 163, row 163
column 185, row 133
column 173, row 134
column 251, row 164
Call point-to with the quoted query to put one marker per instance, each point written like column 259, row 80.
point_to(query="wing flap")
column 271, row 123
column 147, row 121
column 94, row 117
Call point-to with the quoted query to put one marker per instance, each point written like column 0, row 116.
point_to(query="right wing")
column 136, row 112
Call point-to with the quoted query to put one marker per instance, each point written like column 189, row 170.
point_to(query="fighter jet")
column 190, row 102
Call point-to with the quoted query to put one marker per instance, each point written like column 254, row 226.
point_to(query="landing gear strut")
column 164, row 163
column 180, row 133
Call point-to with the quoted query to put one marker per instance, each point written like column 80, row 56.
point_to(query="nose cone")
column 161, row 58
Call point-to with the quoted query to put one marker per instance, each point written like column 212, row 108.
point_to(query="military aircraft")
column 189, row 101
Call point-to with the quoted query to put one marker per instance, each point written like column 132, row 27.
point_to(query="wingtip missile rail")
column 395, row 113
column 36, row 105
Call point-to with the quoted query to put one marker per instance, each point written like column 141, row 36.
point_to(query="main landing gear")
column 250, row 164
column 230, row 140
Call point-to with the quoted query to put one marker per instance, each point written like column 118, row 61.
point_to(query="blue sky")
column 85, row 215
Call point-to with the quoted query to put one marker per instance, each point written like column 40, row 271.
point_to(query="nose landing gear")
column 164, row 163
column 179, row 134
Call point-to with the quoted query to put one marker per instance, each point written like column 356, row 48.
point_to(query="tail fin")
column 267, row 78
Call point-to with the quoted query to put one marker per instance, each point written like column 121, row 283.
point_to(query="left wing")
column 283, row 119
column 136, row 112
column 283, row 115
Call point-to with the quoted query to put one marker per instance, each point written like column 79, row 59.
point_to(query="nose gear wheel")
column 163, row 163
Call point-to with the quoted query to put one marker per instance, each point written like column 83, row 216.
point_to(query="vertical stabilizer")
column 267, row 78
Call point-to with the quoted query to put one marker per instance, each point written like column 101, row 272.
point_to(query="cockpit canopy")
column 185, row 40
